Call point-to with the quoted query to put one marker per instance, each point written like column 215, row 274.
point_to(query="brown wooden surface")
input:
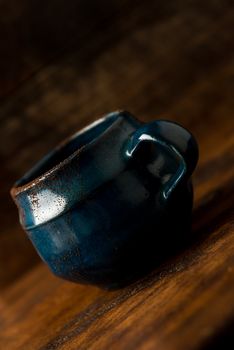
column 62, row 65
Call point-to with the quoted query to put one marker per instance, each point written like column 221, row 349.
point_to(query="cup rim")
column 28, row 181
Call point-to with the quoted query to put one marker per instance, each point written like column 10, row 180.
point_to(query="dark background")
column 65, row 63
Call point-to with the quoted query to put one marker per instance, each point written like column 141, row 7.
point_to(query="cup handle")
column 177, row 139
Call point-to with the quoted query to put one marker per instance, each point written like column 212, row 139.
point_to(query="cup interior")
column 65, row 150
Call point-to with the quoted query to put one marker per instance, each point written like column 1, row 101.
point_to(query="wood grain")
column 156, row 59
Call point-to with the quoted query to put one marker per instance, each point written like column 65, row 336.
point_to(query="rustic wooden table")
column 62, row 65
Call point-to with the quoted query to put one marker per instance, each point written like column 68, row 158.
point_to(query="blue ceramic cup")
column 105, row 204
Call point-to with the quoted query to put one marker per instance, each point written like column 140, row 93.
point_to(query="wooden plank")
column 171, row 60
column 181, row 305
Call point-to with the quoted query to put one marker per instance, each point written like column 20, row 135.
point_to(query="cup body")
column 96, row 216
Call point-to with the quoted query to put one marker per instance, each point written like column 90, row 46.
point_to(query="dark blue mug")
column 105, row 204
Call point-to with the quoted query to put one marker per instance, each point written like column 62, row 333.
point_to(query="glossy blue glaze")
column 104, row 205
